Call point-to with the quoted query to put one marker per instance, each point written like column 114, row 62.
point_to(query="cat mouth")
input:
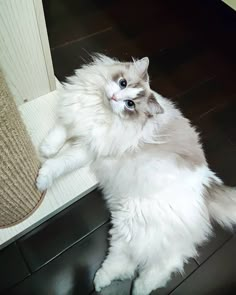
column 113, row 98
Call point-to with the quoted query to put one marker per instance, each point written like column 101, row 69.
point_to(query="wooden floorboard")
column 215, row 277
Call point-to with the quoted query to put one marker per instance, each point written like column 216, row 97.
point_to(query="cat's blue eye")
column 122, row 83
column 130, row 105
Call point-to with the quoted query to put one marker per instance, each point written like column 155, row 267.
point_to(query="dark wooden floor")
column 192, row 49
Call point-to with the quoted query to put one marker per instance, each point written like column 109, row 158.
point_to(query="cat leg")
column 71, row 159
column 154, row 277
column 54, row 141
column 118, row 265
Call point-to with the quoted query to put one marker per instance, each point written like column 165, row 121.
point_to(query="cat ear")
column 153, row 107
column 141, row 66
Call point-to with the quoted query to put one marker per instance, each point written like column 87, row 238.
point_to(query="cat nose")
column 113, row 97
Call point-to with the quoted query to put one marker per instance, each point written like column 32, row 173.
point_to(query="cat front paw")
column 44, row 179
column 47, row 150
column 101, row 280
column 140, row 288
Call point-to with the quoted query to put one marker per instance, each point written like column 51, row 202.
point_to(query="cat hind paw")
column 101, row 280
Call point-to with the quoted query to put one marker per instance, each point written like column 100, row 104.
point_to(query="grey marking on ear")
column 141, row 66
column 152, row 100
column 148, row 115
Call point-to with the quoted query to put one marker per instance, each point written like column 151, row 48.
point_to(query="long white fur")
column 159, row 213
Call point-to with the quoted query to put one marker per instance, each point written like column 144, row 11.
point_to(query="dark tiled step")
column 62, row 231
column 190, row 74
column 226, row 118
column 71, row 273
column 166, row 54
column 219, row 91
column 163, row 62
column 221, row 157
column 217, row 143
column 12, row 267
column 174, row 68
column 216, row 276
column 211, row 22
column 177, row 279
column 211, row 108
column 219, row 238
column 71, row 19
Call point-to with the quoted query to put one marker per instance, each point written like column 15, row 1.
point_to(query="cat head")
column 126, row 89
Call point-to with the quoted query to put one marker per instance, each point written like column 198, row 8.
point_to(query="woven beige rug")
column 18, row 164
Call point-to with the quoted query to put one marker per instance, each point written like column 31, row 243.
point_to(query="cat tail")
column 221, row 201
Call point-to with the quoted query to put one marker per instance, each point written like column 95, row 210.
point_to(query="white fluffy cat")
column 148, row 160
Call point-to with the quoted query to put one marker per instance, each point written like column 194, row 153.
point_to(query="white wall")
column 25, row 56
